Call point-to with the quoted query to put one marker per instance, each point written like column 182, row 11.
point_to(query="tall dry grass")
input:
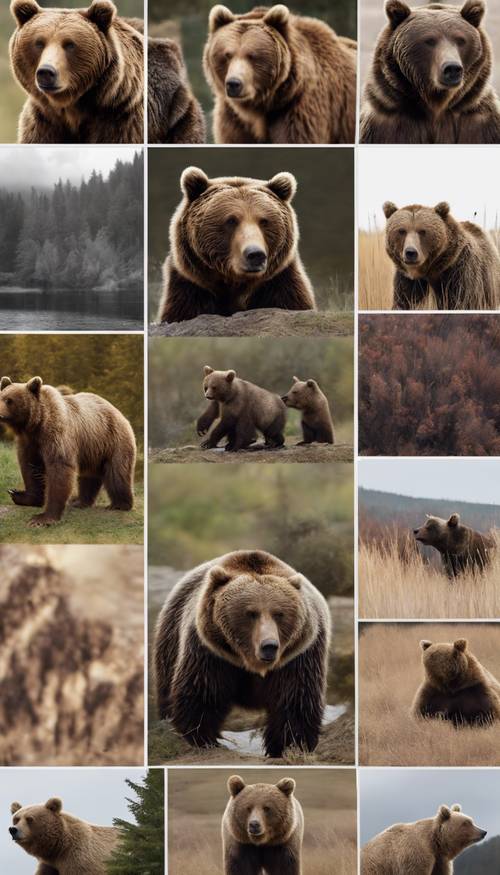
column 392, row 589
column 390, row 672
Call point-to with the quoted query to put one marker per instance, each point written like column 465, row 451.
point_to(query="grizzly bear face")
column 248, row 57
column 61, row 54
column 241, row 230
column 436, row 47
column 445, row 665
column 38, row 829
column 416, row 236
column 444, row 535
column 19, row 402
column 218, row 385
column 302, row 395
column 456, row 831
column 261, row 814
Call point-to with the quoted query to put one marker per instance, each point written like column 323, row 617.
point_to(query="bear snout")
column 47, row 78
column 254, row 259
column 268, row 650
column 411, row 255
column 482, row 834
column 13, row 831
column 234, row 87
column 255, row 828
column 451, row 74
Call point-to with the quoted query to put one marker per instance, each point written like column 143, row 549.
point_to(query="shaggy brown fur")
column 429, row 248
column 240, row 409
column 62, row 437
column 233, row 247
column 317, row 423
column 243, row 630
column 83, row 71
column 456, row 686
column 262, row 829
column 462, row 549
column 60, row 840
column 431, row 78
column 295, row 78
column 426, row 847
column 174, row 114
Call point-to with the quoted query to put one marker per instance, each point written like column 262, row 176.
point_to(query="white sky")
column 96, row 795
column 45, row 165
column 475, row 480
column 463, row 176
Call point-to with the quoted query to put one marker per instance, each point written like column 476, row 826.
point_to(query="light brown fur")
column 317, row 423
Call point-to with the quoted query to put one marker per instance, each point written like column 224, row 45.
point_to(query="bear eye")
column 39, row 44
column 29, row 820
column 251, row 56
column 460, row 41
column 278, row 615
column 8, row 402
column 228, row 55
column 231, row 221
column 422, row 233
column 264, row 223
column 68, row 45
column 266, row 809
column 401, row 232
column 252, row 615
column 431, row 42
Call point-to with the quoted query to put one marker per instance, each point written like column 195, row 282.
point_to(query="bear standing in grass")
column 431, row 78
column 62, row 439
column 462, row 549
column 431, row 250
column 279, row 78
column 233, row 247
column 426, row 847
column 83, row 71
column 62, row 844
column 456, row 686
column 244, row 630
column 262, row 829
column 317, row 423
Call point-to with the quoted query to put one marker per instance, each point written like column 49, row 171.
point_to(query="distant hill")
column 403, row 510
column 483, row 859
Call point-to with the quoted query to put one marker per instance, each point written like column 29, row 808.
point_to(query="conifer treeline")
column 75, row 237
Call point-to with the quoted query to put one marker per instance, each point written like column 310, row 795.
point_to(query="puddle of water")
column 249, row 741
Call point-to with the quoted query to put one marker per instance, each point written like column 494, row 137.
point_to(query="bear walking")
column 430, row 80
column 233, row 246
column 279, row 78
column 262, row 829
column 174, row 114
column 430, row 249
column 317, row 423
column 426, row 847
column 461, row 548
column 62, row 438
column 83, row 71
column 240, row 409
column 244, row 630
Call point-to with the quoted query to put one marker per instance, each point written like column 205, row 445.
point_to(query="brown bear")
column 426, row 847
column 233, row 247
column 456, row 686
column 83, row 71
column 279, row 78
column 317, row 423
column 174, row 114
column 64, row 437
column 430, row 80
column 462, row 549
column 240, row 409
column 432, row 251
column 262, row 829
column 62, row 844
column 244, row 630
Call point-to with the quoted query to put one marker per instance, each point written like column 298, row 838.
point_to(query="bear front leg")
column 60, row 479
column 307, row 435
column 288, row 290
column 44, row 869
column 280, row 859
column 218, row 432
column 35, row 128
column 243, row 860
column 228, row 127
column 182, row 299
column 207, row 418
column 32, row 470
column 408, row 293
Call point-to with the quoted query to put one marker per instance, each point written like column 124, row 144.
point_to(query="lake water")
column 62, row 310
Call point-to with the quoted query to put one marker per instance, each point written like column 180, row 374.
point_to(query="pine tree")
column 141, row 848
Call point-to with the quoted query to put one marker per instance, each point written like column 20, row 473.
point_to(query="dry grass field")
column 390, row 672
column 197, row 799
column 390, row 588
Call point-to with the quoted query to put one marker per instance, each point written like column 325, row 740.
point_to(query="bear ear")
column 425, row 644
column 397, row 12
column 16, row 806
column 207, row 370
column 193, row 183
column 4, row 382
column 54, row 805
column 444, row 813
column 460, row 644
column 218, row 576
column 283, row 185
column 102, row 13
column 295, row 380
column 34, row 385
column 473, row 11
column 286, row 785
column 23, row 10
column 442, row 209
column 312, row 384
column 456, row 807
column 219, row 16
column 454, row 520
column 230, row 376
column 389, row 209
column 296, row 581
column 278, row 17
column 235, row 785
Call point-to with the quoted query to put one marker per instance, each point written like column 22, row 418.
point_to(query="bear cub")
column 317, row 423
column 262, row 829
column 461, row 548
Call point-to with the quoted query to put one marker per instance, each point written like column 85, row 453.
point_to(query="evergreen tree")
column 141, row 850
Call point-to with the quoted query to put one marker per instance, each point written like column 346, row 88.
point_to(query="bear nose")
column 255, row 258
column 13, row 831
column 234, row 87
column 254, row 827
column 268, row 650
column 415, row 531
column 451, row 73
column 46, row 77
column 411, row 255
column 484, row 832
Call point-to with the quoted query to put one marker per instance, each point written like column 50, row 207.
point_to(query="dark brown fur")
column 406, row 99
column 64, row 438
column 174, row 114
column 214, row 227
column 208, row 657
column 299, row 85
column 317, row 423
column 99, row 62
column 462, row 549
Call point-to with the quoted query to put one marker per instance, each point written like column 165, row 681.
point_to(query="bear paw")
column 42, row 519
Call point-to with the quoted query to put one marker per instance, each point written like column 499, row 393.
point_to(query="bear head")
column 59, row 55
column 252, row 612
column 303, row 395
column 218, row 385
column 20, row 403
column 439, row 49
column 444, row 535
column 261, row 814
column 248, row 57
column 237, row 230
column 416, row 236
column 38, row 829
column 448, row 666
column 455, row 831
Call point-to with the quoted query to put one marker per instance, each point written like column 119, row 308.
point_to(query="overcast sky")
column 45, row 165
column 390, row 796
column 426, row 175
column 96, row 795
column 474, row 480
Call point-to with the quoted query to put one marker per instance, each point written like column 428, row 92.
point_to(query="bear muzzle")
column 234, row 87
column 47, row 79
column 268, row 650
column 255, row 829
column 15, row 833
column 451, row 74
column 411, row 255
column 254, row 259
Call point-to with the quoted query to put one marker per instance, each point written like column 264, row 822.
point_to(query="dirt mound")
column 257, row 453
column 270, row 322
